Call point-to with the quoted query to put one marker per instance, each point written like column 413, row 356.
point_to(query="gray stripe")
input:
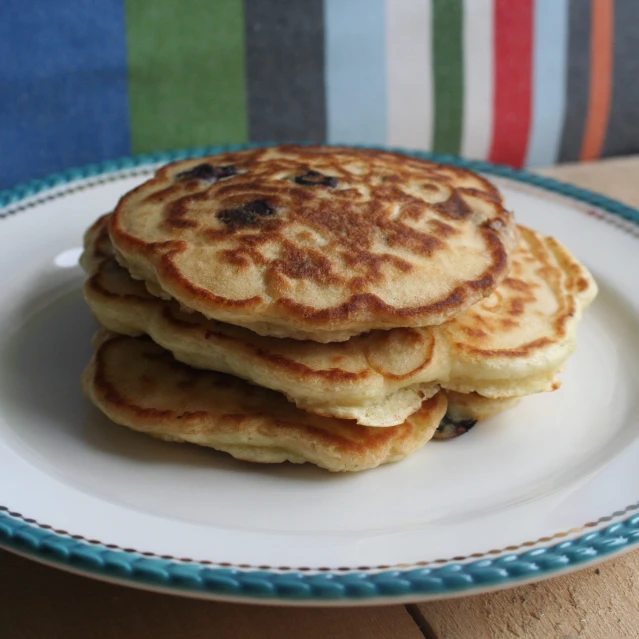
column 578, row 84
column 285, row 69
column 623, row 125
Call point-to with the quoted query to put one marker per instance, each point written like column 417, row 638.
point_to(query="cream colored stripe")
column 410, row 80
column 478, row 43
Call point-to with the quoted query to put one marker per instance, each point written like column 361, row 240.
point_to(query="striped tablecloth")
column 523, row 82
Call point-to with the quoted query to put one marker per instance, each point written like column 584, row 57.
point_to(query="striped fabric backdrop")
column 523, row 82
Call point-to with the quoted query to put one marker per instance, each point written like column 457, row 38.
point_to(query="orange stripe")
column 601, row 51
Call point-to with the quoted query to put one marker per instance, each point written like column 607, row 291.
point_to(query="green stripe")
column 186, row 73
column 448, row 74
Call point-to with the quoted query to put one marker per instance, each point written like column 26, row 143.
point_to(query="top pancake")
column 317, row 243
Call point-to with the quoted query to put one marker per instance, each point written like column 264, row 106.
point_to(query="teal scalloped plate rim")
column 26, row 537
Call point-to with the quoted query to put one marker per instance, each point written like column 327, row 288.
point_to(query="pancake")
column 511, row 344
column 466, row 409
column 318, row 243
column 140, row 385
column 475, row 407
column 516, row 341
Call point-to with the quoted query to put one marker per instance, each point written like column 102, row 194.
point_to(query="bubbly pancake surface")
column 516, row 340
column 140, row 385
column 316, row 243
column 511, row 344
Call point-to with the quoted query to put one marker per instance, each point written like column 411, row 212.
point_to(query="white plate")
column 485, row 510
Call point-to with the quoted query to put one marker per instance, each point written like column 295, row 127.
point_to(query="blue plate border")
column 27, row 537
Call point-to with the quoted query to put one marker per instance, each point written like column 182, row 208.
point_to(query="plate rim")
column 344, row 586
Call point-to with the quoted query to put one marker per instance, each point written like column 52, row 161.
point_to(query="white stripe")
column 478, row 34
column 355, row 80
column 549, row 81
column 410, row 74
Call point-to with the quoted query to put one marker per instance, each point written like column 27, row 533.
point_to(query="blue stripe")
column 63, row 86
column 355, row 49
column 549, row 81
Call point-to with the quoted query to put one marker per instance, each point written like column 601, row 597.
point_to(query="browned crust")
column 352, row 233
column 328, row 433
column 95, row 286
column 522, row 351
column 575, row 283
column 361, row 304
column 558, row 269
column 334, row 375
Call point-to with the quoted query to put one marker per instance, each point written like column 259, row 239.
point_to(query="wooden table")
column 37, row 602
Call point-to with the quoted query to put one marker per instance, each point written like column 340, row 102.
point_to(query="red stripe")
column 513, row 81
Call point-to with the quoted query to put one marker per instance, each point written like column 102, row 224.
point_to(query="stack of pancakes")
column 322, row 304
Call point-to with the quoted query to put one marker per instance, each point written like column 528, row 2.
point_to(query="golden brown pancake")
column 516, row 341
column 511, row 344
column 140, row 385
column 318, row 243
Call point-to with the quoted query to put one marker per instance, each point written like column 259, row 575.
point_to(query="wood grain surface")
column 38, row 602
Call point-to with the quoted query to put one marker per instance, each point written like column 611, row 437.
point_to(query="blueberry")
column 207, row 172
column 259, row 207
column 449, row 428
column 315, row 178
column 225, row 171
column 249, row 214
